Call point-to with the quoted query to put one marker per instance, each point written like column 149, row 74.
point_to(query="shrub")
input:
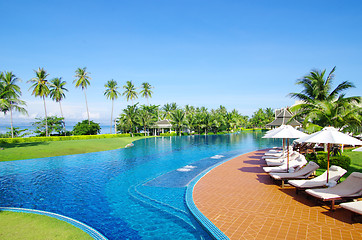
column 85, row 128
column 321, row 159
column 60, row 138
column 168, row 134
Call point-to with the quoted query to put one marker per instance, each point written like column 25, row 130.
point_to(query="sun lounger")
column 274, row 155
column 294, row 165
column 302, row 173
column 282, row 160
column 351, row 188
column 354, row 207
column 335, row 173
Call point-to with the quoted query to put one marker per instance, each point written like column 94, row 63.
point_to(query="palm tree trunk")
column 46, row 118
column 11, row 122
column 111, row 118
column 86, row 104
column 61, row 112
column 115, row 126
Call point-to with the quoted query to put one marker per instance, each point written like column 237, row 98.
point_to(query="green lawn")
column 20, row 151
column 30, row 226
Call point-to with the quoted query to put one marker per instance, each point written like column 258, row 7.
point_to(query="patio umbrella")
column 330, row 135
column 285, row 132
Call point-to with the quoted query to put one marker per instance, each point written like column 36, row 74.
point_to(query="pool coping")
column 85, row 228
column 214, row 231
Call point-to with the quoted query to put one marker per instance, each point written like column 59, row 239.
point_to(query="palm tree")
column 146, row 117
column 111, row 93
column 146, row 91
column 57, row 93
column 82, row 80
column 130, row 91
column 11, row 93
column 129, row 115
column 316, row 87
column 167, row 109
column 40, row 89
column 321, row 105
column 178, row 120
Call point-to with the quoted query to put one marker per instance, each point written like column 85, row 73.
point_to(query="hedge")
column 321, row 159
column 61, row 138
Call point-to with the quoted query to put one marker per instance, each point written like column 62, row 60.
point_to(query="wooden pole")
column 329, row 149
column 288, row 155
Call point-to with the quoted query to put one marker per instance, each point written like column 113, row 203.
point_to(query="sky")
column 244, row 55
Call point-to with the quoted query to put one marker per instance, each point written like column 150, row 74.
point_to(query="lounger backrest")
column 308, row 169
column 299, row 162
column 352, row 184
column 335, row 173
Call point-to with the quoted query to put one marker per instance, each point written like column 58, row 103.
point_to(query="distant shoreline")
column 4, row 128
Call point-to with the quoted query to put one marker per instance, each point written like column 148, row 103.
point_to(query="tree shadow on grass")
column 19, row 145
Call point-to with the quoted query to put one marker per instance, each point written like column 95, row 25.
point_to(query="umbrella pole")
column 287, row 154
column 329, row 149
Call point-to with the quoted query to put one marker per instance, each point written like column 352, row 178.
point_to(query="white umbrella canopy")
column 330, row 135
column 285, row 132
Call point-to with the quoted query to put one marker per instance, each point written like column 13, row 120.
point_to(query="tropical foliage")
column 321, row 105
column 41, row 89
column 112, row 93
column 86, row 128
column 54, row 125
column 10, row 97
column 82, row 81
column 57, row 93
column 190, row 119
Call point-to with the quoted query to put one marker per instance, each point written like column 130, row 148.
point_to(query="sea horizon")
column 69, row 127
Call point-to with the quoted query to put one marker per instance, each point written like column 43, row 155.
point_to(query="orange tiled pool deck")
column 244, row 203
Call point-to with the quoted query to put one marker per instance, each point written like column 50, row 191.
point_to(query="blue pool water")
column 134, row 193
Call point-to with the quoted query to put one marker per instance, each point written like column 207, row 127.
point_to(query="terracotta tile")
column 241, row 200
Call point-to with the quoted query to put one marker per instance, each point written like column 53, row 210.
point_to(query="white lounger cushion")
column 351, row 187
column 335, row 173
column 302, row 173
column 281, row 161
column 353, row 206
column 299, row 162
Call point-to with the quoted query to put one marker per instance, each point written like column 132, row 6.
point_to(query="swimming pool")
column 135, row 193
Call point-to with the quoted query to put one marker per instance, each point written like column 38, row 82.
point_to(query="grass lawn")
column 20, row 151
column 30, row 226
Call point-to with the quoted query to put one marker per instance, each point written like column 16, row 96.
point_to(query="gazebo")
column 161, row 125
column 282, row 117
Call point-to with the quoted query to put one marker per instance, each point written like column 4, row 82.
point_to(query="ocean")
column 4, row 128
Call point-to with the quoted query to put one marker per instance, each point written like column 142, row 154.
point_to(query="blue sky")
column 241, row 54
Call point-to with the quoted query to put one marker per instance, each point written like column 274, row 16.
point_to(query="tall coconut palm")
column 41, row 89
column 111, row 93
column 130, row 91
column 57, row 93
column 82, row 80
column 146, row 91
column 12, row 94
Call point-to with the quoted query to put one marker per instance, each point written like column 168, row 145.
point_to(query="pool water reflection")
column 134, row 193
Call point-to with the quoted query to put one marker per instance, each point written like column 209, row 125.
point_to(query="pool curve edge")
column 85, row 228
column 214, row 231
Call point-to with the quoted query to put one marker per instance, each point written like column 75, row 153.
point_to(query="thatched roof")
column 283, row 116
column 162, row 124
